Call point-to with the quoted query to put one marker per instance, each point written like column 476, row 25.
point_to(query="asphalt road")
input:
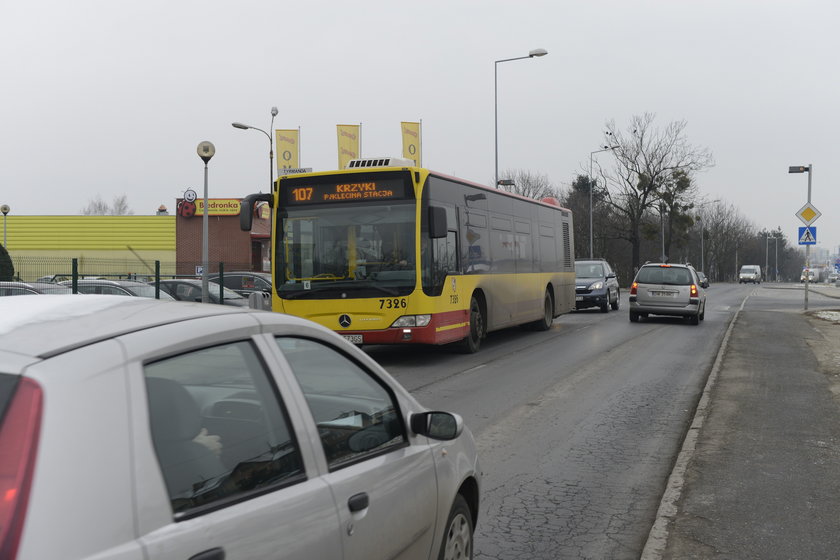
column 577, row 427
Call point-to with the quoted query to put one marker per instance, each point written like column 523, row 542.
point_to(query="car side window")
column 220, row 431
column 356, row 415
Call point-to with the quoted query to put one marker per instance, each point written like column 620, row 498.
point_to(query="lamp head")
column 240, row 125
column 206, row 150
column 537, row 52
column 274, row 111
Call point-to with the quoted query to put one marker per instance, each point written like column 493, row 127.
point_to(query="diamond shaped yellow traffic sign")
column 808, row 214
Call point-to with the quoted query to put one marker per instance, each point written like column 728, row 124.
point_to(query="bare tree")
column 646, row 161
column 527, row 183
column 98, row 207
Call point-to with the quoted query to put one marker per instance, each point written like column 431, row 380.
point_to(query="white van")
column 750, row 273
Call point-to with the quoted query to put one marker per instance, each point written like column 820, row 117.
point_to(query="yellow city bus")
column 387, row 253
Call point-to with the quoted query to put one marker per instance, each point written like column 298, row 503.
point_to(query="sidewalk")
column 759, row 475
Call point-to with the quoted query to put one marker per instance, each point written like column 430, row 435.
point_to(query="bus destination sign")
column 367, row 189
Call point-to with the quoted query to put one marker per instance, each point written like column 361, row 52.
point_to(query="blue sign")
column 808, row 235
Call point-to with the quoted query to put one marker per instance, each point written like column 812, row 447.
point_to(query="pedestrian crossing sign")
column 808, row 235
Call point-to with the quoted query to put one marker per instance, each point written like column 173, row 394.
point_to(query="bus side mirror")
column 437, row 222
column 246, row 208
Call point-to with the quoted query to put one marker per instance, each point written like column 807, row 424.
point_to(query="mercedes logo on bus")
column 344, row 321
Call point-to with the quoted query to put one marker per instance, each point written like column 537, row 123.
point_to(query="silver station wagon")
column 667, row 289
column 136, row 429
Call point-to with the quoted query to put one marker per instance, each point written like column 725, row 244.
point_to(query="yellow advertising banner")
column 288, row 148
column 411, row 142
column 349, row 142
column 218, row 206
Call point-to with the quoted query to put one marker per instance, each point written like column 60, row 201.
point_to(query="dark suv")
column 596, row 285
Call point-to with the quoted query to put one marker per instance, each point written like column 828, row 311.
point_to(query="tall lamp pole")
column 206, row 150
column 809, row 169
column 270, row 145
column 591, row 187
column 5, row 209
column 767, row 260
column 532, row 54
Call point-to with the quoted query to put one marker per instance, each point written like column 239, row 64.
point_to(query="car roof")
column 666, row 265
column 52, row 324
column 105, row 282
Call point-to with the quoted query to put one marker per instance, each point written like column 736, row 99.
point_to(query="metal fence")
column 32, row 269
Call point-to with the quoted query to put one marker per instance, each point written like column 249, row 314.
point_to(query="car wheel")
column 458, row 539
column 472, row 342
column 703, row 312
column 615, row 304
column 634, row 317
column 548, row 314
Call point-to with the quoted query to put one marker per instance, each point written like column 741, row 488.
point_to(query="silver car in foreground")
column 667, row 289
column 137, row 429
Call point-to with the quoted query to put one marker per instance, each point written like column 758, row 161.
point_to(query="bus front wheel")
column 472, row 342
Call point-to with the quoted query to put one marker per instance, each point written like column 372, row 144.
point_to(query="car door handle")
column 217, row 553
column 358, row 502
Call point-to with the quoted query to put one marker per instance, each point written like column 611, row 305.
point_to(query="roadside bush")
column 7, row 269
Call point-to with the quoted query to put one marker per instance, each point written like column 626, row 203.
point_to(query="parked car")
column 189, row 289
column 812, row 277
column 667, row 289
column 116, row 288
column 139, row 429
column 704, row 282
column 750, row 273
column 596, row 285
column 31, row 288
column 243, row 282
column 53, row 278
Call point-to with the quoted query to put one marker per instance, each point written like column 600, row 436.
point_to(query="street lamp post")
column 206, row 150
column 809, row 169
column 5, row 209
column 766, row 258
column 532, row 54
column 662, row 228
column 591, row 187
column 270, row 145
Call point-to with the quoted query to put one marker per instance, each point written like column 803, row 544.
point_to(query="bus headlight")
column 412, row 321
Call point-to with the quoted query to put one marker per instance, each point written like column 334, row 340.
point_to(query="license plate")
column 354, row 338
column 578, row 298
column 663, row 294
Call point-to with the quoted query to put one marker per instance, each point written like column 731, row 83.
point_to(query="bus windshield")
column 348, row 250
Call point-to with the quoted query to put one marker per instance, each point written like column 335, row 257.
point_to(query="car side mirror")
column 611, row 275
column 437, row 425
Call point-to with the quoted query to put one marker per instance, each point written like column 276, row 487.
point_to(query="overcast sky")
column 109, row 98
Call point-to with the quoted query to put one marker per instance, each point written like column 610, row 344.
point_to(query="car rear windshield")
column 664, row 275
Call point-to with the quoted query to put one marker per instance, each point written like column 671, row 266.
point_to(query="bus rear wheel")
column 548, row 314
column 472, row 342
